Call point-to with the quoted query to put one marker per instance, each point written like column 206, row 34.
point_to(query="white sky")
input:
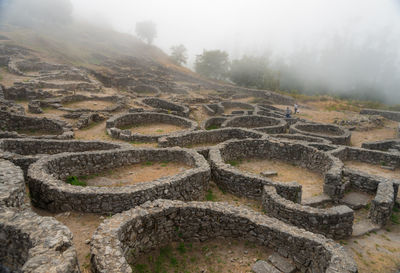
column 245, row 26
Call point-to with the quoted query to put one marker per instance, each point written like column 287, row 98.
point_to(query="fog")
column 341, row 46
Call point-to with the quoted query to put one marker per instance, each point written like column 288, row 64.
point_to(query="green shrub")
column 73, row 180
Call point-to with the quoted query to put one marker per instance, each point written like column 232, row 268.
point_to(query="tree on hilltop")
column 146, row 30
column 213, row 64
column 179, row 54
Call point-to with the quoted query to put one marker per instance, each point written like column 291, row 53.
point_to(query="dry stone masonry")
column 207, row 137
column 120, row 240
column 49, row 190
column 136, row 119
column 25, row 151
column 333, row 133
column 263, row 124
column 167, row 106
column 12, row 185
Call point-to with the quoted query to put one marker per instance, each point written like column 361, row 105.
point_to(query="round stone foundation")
column 333, row 133
column 120, row 240
column 49, row 190
column 135, row 119
column 263, row 124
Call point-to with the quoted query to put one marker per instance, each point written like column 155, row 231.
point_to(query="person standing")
column 288, row 112
column 296, row 108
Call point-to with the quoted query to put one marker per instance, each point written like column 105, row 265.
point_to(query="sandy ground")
column 233, row 255
column 376, row 251
column 387, row 132
column 199, row 115
column 91, row 104
column 155, row 129
column 136, row 173
column 312, row 182
column 82, row 226
column 373, row 169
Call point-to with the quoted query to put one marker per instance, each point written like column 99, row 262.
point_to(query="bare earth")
column 312, row 182
column 373, row 169
column 91, row 104
column 136, row 173
column 217, row 255
column 387, row 132
column 155, row 129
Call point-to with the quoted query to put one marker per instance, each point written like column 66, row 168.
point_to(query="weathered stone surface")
column 268, row 173
column 125, row 237
column 281, row 263
column 263, row 267
column 263, row 124
column 121, row 120
column 392, row 115
column 333, row 133
column 35, row 244
column 12, row 185
column 25, row 151
column 335, row 222
column 168, row 106
column 382, row 204
column 213, row 137
column 49, row 191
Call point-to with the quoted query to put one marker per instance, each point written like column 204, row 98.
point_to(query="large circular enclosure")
column 263, row 124
column 120, row 241
column 336, row 134
column 147, row 126
column 116, row 180
column 243, row 167
column 31, row 243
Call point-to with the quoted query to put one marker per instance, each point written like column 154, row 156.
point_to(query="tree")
column 253, row 72
column 179, row 54
column 213, row 64
column 146, row 30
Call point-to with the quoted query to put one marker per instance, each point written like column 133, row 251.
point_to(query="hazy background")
column 317, row 46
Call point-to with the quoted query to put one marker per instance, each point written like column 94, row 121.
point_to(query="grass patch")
column 210, row 195
column 73, row 180
column 395, row 218
column 213, row 127
column 234, row 163
column 148, row 163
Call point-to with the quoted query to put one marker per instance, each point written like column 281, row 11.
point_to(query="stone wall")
column 21, row 92
column 35, row 243
column 335, row 222
column 134, row 119
column 241, row 183
column 49, row 190
column 146, row 90
column 383, row 145
column 259, row 123
column 208, row 137
column 126, row 236
column 382, row 204
column 213, row 109
column 392, row 115
column 213, row 122
column 301, row 137
column 170, row 107
column 25, row 151
column 54, row 128
column 12, row 185
column 333, row 133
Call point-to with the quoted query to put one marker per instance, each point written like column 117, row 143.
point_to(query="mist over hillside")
column 347, row 48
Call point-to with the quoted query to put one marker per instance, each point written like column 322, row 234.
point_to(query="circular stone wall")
column 31, row 243
column 301, row 137
column 49, row 191
column 51, row 127
column 336, row 134
column 12, row 185
column 133, row 119
column 146, row 90
column 246, row 184
column 25, row 151
column 263, row 124
column 121, row 239
column 168, row 106
column 207, row 137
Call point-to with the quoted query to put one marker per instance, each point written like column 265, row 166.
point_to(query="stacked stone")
column 133, row 119
column 382, row 204
column 392, row 115
column 168, row 106
column 263, row 124
column 335, row 134
column 213, row 109
column 49, row 191
column 25, row 151
column 301, row 137
column 383, row 145
column 12, row 185
column 56, row 128
column 124, row 237
column 212, row 137
column 335, row 222
column 146, row 90
column 34, row 107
